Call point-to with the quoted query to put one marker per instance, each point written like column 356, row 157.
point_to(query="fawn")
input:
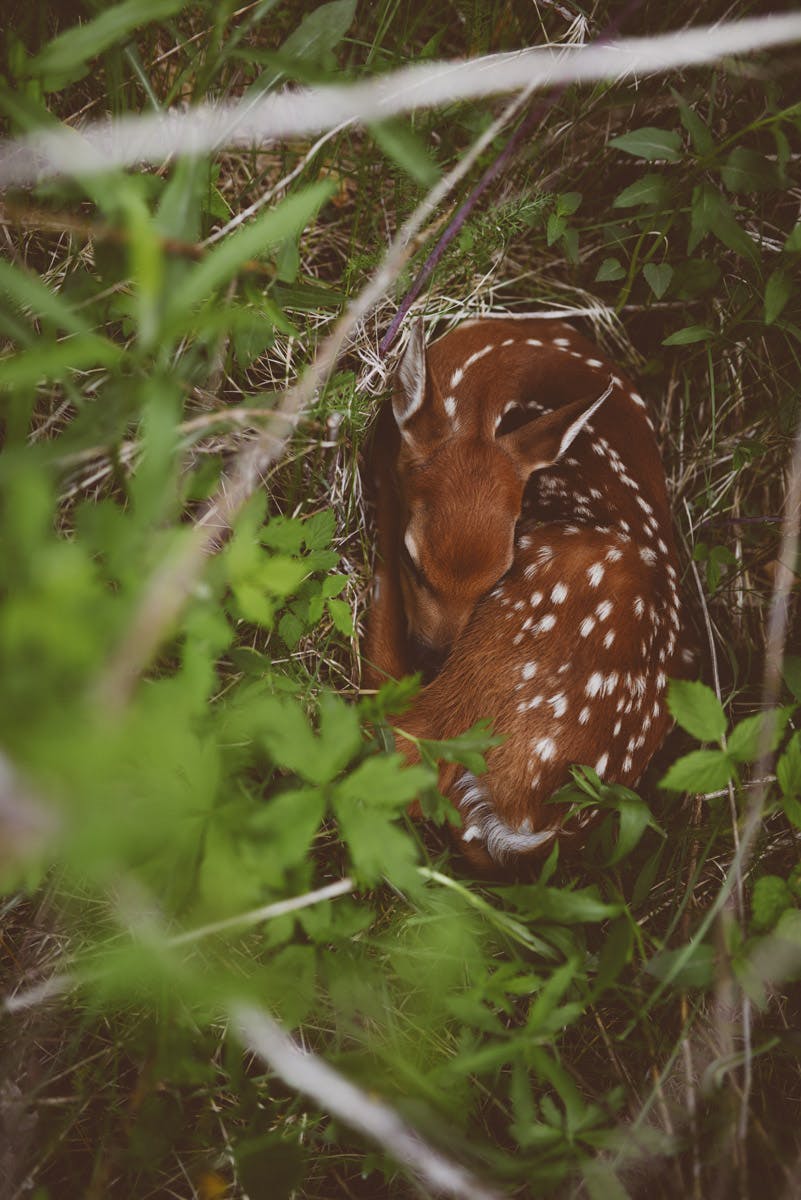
column 526, row 550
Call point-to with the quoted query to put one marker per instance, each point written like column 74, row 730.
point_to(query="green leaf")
column 268, row 230
column 650, row 143
column 769, row 899
column 793, row 243
column 616, row 953
column 649, row 189
column 791, row 670
column 290, row 821
column 658, row 277
column 746, row 737
column 54, row 360
column 288, row 984
column 710, row 212
column 697, row 128
column 555, row 228
column 747, row 171
column 291, row 743
column 28, row 292
column 342, row 617
column 382, row 781
column 610, row 270
column 697, row 709
column 635, row 817
column 76, row 46
column 788, row 768
column 688, row 335
column 778, row 291
column 568, row 203
column 468, row 748
column 403, row 145
column 699, row 771
column 313, row 39
column 691, row 966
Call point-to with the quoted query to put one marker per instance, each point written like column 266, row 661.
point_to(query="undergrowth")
column 627, row 1022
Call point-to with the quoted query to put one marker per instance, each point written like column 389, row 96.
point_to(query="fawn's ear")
column 416, row 400
column 540, row 443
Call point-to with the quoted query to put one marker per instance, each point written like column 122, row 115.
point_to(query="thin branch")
column 361, row 1110
column 153, row 137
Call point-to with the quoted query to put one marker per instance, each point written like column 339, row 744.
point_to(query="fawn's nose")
column 426, row 658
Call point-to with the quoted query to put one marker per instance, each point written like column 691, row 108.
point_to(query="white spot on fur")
column 602, row 764
column 595, row 574
column 559, row 593
column 586, row 627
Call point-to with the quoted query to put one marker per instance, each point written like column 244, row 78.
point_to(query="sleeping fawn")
column 526, row 552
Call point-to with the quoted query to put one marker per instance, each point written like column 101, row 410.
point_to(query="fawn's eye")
column 417, row 573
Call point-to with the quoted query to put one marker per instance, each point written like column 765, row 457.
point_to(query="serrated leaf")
column 290, row 821
column 332, row 585
column 342, row 616
column 769, row 899
column 610, row 270
column 746, row 737
column 291, row 630
column 778, row 291
column 319, row 529
column 658, row 277
column 650, row 143
column 650, row 189
column 403, row 145
column 289, row 983
column 383, row 781
column 634, row 818
column 747, row 171
column 697, row 709
column 688, row 335
column 700, row 771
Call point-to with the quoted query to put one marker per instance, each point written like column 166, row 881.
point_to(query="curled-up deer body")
column 526, row 550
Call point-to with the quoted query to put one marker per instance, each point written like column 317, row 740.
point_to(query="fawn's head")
column 461, row 493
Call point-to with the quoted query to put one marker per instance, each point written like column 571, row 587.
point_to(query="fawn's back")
column 527, row 546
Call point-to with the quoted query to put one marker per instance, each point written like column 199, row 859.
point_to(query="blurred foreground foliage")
column 531, row 1029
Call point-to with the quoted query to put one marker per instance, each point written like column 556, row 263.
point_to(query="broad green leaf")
column 747, row 171
column 268, row 230
column 377, row 846
column 691, row 966
column 745, row 740
column 697, row 128
column 468, row 748
column 778, row 291
column 29, row 292
column 290, row 820
column 403, row 145
column 650, row 189
column 292, row 744
column 769, row 899
column 650, row 143
column 342, row 617
column 791, row 670
column 568, row 203
column 688, row 335
column 383, row 781
column 76, row 46
column 697, row 709
column 793, row 243
column 710, row 212
column 616, row 953
column 289, row 982
column 788, row 768
column 634, row 818
column 178, row 213
column 572, row 906
column 699, row 771
column 610, row 270
column 658, row 277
